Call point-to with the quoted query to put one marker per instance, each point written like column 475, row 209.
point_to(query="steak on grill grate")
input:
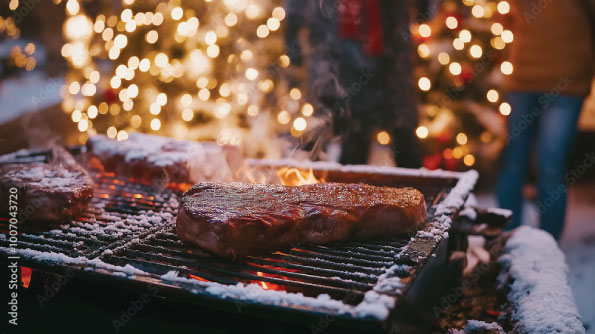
column 234, row 220
column 47, row 192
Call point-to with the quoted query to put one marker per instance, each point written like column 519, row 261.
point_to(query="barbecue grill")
column 125, row 244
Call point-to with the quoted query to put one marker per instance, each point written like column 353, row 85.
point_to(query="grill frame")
column 419, row 253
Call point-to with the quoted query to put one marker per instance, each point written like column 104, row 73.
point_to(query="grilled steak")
column 47, row 192
column 161, row 159
column 234, row 220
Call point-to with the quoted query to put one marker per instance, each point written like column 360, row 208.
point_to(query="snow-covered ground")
column 578, row 243
column 30, row 92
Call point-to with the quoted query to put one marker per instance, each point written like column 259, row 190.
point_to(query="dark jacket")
column 366, row 91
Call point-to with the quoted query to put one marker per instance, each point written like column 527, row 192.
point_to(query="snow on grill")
column 120, row 209
column 128, row 233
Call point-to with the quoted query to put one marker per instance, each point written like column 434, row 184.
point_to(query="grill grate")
column 129, row 223
column 344, row 271
column 119, row 210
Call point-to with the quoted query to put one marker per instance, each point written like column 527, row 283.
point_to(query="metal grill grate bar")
column 358, row 274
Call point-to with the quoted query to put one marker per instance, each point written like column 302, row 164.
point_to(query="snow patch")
column 468, row 213
column 476, row 326
column 534, row 269
column 127, row 270
column 374, row 304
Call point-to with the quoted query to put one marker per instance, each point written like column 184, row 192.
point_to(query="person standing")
column 552, row 55
column 360, row 71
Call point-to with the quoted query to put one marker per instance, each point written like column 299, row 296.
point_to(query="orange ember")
column 26, row 276
column 183, row 187
column 297, row 177
column 268, row 285
column 262, row 284
column 198, row 278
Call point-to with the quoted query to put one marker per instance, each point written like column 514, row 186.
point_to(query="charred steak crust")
column 233, row 220
column 47, row 193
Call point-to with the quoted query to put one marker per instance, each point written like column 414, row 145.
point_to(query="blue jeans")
column 551, row 119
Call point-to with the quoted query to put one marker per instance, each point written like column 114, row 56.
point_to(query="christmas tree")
column 461, row 61
column 200, row 70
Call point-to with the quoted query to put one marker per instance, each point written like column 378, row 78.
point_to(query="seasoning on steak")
column 234, row 220
column 161, row 159
column 52, row 192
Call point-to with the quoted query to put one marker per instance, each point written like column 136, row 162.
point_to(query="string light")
column 383, row 138
column 76, row 116
column 423, row 50
column 457, row 152
column 307, row 110
column 503, row 7
column 477, row 11
column 458, row 44
column 273, row 24
column 424, row 84
column 422, row 132
column 251, row 74
column 507, row 36
column 443, row 58
column 253, row 110
column 506, row 67
column 295, row 94
column 187, row 115
column 475, row 51
column 279, row 13
column 83, row 125
column 262, row 31
column 122, row 135
column 493, row 95
column 155, row 124
column 469, row 160
column 465, row 35
column 424, row 30
column 176, row 14
column 497, row 43
column 505, row 108
column 461, row 138
column 111, row 132
column 231, row 19
column 136, row 121
column 300, row 124
column 92, row 112
column 496, row 28
column 283, row 117
column 455, row 68
column 451, row 22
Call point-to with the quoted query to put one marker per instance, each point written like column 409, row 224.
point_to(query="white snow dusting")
column 374, row 304
column 476, row 326
column 81, row 260
column 534, row 269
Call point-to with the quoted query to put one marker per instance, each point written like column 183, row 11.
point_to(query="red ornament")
column 450, row 164
column 444, row 137
column 466, row 73
column 109, row 95
column 433, row 161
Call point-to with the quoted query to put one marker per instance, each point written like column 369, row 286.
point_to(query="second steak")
column 234, row 220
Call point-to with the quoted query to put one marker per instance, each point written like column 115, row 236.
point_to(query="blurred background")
column 222, row 71
column 265, row 75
